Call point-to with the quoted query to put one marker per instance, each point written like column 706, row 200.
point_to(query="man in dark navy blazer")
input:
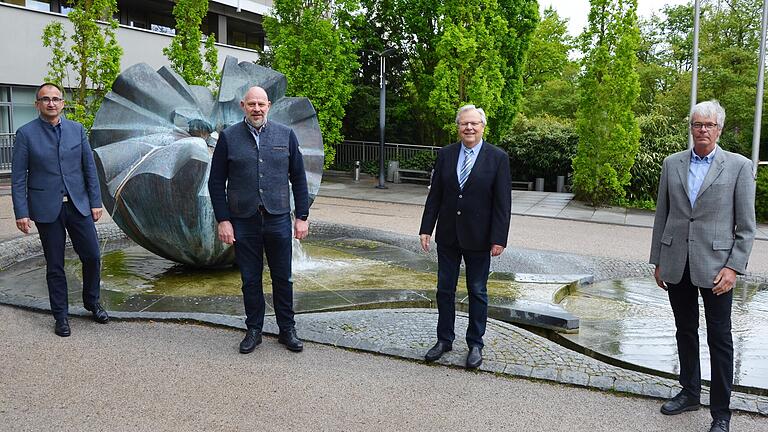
column 54, row 184
column 252, row 165
column 470, row 200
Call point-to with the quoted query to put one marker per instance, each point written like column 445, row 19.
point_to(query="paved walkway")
column 524, row 203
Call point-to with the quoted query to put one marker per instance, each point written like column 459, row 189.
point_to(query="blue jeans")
column 256, row 236
column 477, row 264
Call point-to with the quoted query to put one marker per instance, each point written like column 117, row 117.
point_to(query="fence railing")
column 6, row 151
column 350, row 151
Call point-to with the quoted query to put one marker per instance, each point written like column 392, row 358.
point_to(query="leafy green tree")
column 522, row 17
column 379, row 30
column 184, row 50
column 549, row 79
column 470, row 69
column 481, row 56
column 608, row 131
column 313, row 47
column 89, row 65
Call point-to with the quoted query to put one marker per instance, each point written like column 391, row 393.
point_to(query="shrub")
column 761, row 197
column 658, row 139
column 424, row 160
column 540, row 147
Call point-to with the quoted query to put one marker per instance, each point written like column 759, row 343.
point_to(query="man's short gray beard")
column 258, row 123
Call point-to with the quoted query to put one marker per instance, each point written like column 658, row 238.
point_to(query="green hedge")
column 540, row 147
column 761, row 197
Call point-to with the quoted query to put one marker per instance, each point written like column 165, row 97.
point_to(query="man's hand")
column 496, row 250
column 724, row 281
column 659, row 282
column 96, row 213
column 300, row 229
column 24, row 225
column 226, row 232
column 425, row 242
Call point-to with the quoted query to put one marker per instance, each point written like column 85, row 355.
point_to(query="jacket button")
column 691, row 219
column 461, row 196
column 261, row 160
column 458, row 212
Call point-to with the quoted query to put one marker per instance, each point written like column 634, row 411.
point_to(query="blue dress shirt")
column 697, row 170
column 475, row 152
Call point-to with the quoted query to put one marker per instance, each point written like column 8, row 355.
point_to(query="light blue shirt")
column 697, row 170
column 475, row 152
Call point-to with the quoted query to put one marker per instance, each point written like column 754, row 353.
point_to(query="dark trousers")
column 684, row 299
column 477, row 265
column 256, row 236
column 82, row 232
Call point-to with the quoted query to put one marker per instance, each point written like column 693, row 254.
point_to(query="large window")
column 244, row 34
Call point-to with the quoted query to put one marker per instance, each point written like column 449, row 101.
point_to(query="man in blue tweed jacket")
column 54, row 184
column 251, row 166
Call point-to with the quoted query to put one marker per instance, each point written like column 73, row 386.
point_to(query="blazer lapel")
column 479, row 159
column 454, row 161
column 682, row 169
column 714, row 171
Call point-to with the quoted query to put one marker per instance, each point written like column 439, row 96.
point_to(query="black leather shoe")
column 437, row 351
column 250, row 341
column 474, row 358
column 680, row 404
column 62, row 328
column 720, row 425
column 290, row 340
column 99, row 314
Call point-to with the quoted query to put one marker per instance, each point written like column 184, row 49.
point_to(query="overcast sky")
column 577, row 10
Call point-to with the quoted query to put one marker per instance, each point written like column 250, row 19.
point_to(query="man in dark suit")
column 470, row 201
column 251, row 166
column 54, row 184
column 702, row 237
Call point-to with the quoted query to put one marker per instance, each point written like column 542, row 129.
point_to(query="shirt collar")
column 706, row 159
column 253, row 129
column 474, row 149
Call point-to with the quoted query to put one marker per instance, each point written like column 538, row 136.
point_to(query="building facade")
column 146, row 27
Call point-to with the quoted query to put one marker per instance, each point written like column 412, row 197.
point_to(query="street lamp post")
column 382, row 111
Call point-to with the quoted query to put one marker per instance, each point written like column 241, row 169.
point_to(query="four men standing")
column 703, row 231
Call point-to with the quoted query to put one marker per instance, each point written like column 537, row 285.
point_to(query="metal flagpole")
column 694, row 67
column 759, row 97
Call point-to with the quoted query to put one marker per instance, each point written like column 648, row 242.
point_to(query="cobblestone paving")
column 509, row 350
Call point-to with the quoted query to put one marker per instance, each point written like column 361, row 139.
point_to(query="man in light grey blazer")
column 702, row 237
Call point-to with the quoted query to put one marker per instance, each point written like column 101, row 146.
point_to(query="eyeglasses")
column 46, row 100
column 473, row 124
column 707, row 126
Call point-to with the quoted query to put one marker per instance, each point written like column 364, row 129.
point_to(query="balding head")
column 255, row 106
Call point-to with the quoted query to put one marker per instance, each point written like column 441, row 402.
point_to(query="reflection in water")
column 631, row 320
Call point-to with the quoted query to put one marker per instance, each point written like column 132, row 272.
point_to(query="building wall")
column 23, row 57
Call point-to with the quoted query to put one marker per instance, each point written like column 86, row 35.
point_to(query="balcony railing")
column 6, row 151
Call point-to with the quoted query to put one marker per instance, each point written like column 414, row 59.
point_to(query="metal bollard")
column 356, row 172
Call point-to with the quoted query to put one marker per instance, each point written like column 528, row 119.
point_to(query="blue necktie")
column 465, row 168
